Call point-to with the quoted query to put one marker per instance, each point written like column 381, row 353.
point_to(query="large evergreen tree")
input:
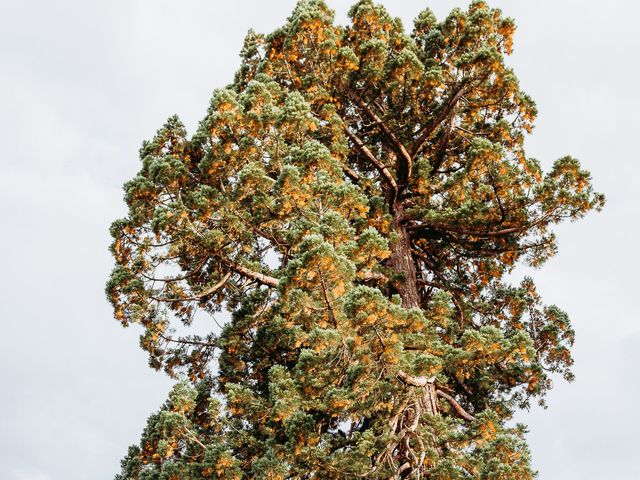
column 356, row 198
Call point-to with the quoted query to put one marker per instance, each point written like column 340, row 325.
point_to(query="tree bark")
column 424, row 396
column 401, row 261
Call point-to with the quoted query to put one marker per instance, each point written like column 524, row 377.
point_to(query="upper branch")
column 244, row 271
column 406, row 161
column 430, row 127
column 381, row 167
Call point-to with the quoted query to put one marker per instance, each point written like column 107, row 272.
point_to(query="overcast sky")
column 82, row 83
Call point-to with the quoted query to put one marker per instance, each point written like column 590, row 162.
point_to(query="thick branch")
column 403, row 468
column 441, row 153
column 404, row 169
column 381, row 167
column 456, row 406
column 373, row 276
column 433, row 124
column 257, row 276
column 351, row 173
column 414, row 381
column 424, row 381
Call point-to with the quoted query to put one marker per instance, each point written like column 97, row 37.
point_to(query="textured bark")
column 401, row 261
column 424, row 399
column 456, row 406
column 430, row 399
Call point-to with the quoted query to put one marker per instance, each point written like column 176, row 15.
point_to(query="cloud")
column 28, row 475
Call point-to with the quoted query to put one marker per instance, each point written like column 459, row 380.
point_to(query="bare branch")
column 184, row 341
column 433, row 124
column 381, row 167
column 200, row 295
column 373, row 276
column 456, row 406
column 405, row 167
column 414, row 381
column 439, row 158
column 351, row 173
column 257, row 276
column 473, row 233
column 326, row 298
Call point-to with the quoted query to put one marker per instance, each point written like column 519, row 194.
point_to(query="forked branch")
column 430, row 127
column 404, row 169
column 381, row 167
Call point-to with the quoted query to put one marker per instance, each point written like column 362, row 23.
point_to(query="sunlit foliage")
column 356, row 198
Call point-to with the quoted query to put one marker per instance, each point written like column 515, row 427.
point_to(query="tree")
column 356, row 198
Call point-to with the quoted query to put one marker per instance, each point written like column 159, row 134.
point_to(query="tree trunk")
column 425, row 399
column 401, row 261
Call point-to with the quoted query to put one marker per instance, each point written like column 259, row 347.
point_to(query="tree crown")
column 356, row 199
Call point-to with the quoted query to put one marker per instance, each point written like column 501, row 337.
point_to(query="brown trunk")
column 430, row 399
column 401, row 262
column 425, row 400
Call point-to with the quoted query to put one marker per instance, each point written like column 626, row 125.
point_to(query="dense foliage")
column 356, row 198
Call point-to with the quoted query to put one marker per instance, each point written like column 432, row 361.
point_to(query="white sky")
column 82, row 83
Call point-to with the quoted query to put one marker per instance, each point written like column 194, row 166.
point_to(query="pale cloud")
column 28, row 475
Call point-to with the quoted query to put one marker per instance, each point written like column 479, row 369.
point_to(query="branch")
column 403, row 468
column 442, row 147
column 186, row 341
column 473, row 233
column 178, row 278
column 200, row 295
column 257, row 276
column 194, row 437
column 351, row 173
column 423, row 382
column 405, row 167
column 326, row 298
column 456, row 406
column 433, row 124
column 441, row 286
column 373, row 276
column 414, row 381
column 271, row 236
column 382, row 168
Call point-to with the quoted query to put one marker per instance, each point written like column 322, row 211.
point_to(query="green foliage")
column 356, row 199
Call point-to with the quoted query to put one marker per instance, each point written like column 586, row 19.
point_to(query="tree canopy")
column 356, row 199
